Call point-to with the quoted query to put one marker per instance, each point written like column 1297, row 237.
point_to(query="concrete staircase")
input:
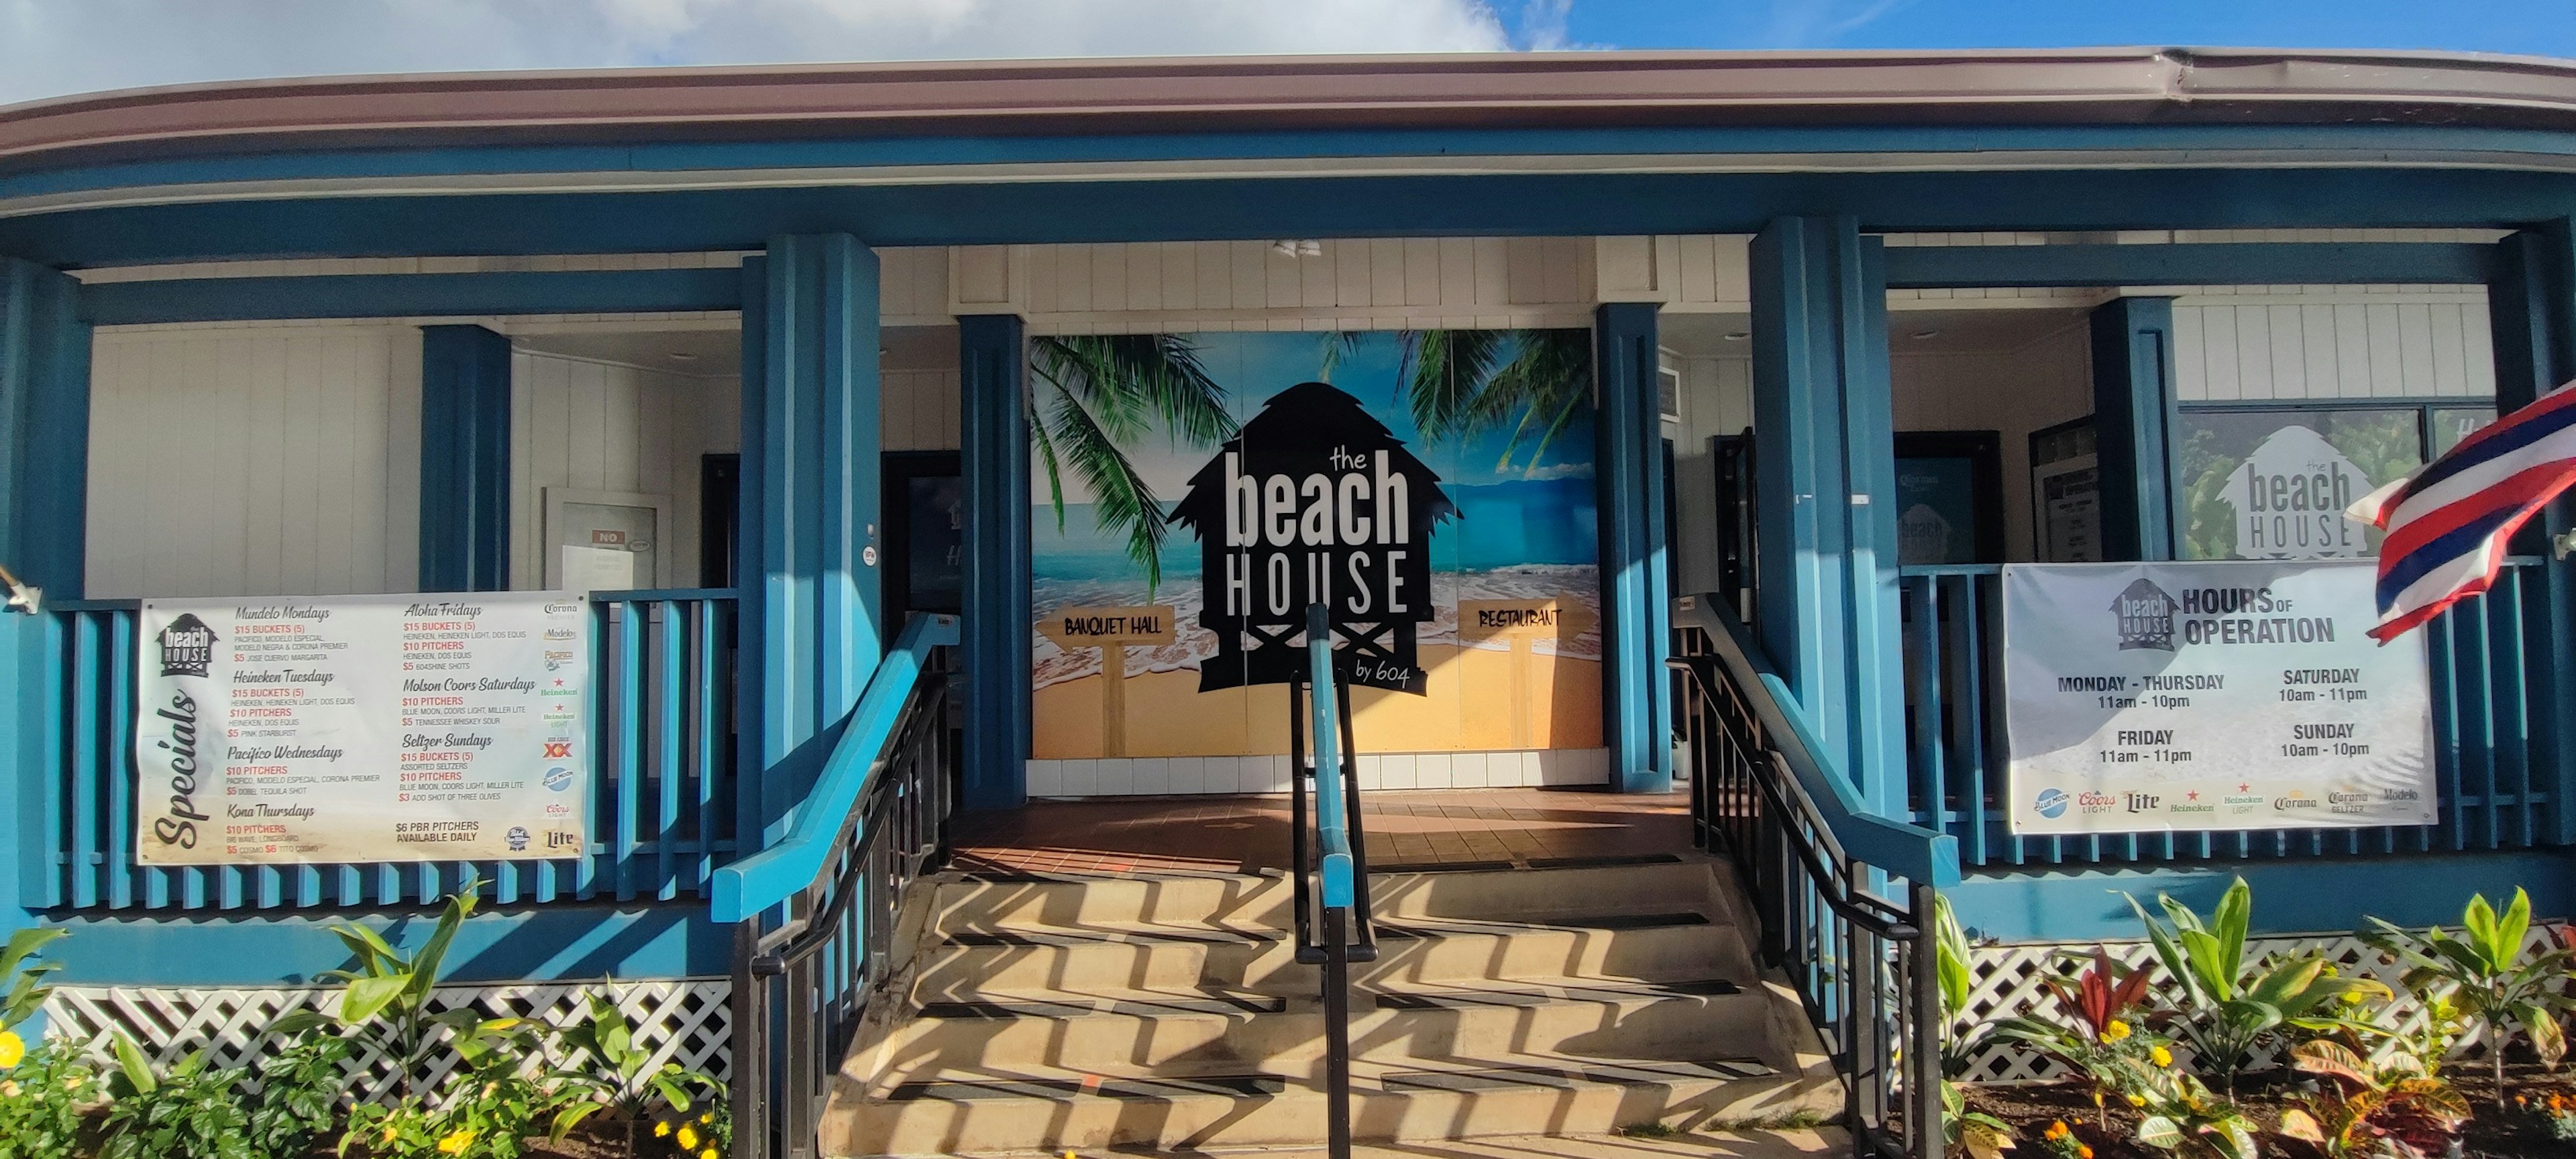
column 1169, row 1013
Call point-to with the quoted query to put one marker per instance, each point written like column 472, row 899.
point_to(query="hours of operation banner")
column 2210, row 696
column 362, row 729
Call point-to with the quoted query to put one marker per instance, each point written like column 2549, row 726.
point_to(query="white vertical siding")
column 919, row 409
column 1358, row 283
column 600, row 426
column 254, row 460
column 2340, row 348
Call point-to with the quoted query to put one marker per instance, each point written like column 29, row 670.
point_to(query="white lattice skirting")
column 2005, row 980
column 684, row 1020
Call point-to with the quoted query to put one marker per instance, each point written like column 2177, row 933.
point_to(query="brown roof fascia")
column 1544, row 90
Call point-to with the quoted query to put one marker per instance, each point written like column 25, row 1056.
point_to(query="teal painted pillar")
column 2133, row 424
column 1825, row 459
column 464, row 460
column 811, row 614
column 44, row 520
column 1636, row 605
column 2531, row 306
column 993, row 386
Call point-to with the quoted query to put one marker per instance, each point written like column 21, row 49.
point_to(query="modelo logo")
column 2052, row 803
column 558, row 778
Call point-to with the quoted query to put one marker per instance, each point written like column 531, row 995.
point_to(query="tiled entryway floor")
column 1452, row 827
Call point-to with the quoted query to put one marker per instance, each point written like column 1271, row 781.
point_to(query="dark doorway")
column 925, row 506
column 719, row 519
column 1949, row 497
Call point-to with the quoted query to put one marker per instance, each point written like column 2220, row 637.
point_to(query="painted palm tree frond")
column 1108, row 390
column 1463, row 383
column 1133, row 383
column 1120, row 499
column 1337, row 345
column 1443, row 373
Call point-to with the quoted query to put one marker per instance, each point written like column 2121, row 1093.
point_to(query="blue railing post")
column 1332, row 819
column 2531, row 306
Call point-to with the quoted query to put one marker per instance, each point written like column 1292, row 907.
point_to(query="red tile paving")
column 1246, row 834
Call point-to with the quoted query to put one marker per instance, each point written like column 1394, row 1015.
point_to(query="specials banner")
column 362, row 729
column 2210, row 696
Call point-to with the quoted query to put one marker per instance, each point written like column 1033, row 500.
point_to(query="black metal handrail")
column 1863, row 963
column 1329, row 872
column 803, row 981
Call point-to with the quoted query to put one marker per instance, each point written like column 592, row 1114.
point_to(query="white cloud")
column 56, row 47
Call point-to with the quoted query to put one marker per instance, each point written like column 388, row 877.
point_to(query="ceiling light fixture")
column 1736, row 335
column 683, row 356
column 1922, row 334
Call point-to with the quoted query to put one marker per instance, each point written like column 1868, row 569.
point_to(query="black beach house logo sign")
column 187, row 647
column 1314, row 501
column 2144, row 616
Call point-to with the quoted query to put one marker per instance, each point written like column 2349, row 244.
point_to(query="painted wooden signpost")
column 1521, row 621
column 1111, row 630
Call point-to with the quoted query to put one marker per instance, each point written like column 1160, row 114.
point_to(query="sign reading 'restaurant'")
column 362, row 729
column 2210, row 696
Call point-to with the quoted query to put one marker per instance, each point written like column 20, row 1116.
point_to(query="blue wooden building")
column 431, row 334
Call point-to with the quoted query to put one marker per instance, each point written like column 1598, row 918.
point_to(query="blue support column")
column 811, row 610
column 44, row 487
column 2531, row 306
column 2133, row 421
column 993, row 384
column 464, row 460
column 1826, row 463
column 1636, row 603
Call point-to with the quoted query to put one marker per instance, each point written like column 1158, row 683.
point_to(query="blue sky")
column 2538, row 27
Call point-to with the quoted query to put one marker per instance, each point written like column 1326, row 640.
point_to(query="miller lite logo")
column 187, row 647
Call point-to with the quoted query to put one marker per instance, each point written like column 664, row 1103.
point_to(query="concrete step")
column 1042, row 1109
column 1751, row 1143
column 1670, row 946
column 1146, row 1032
column 1644, row 882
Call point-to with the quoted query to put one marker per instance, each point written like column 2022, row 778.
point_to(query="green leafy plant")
column 299, row 1095
column 1950, row 967
column 704, row 1130
column 2484, row 972
column 2372, row 1108
column 26, row 989
column 490, row 1113
column 385, row 998
column 2184, row 1116
column 186, row 1112
column 2061, row 1142
column 2093, row 1034
column 43, row 1094
column 1974, row 1134
column 2557, row 1115
column 2223, row 1005
column 621, row 1077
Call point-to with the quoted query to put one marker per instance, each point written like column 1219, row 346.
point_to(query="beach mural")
column 1194, row 492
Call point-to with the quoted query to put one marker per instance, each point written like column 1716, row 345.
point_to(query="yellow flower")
column 709, row 1153
column 389, row 1134
column 661, row 1129
column 12, row 1049
column 688, row 1137
column 2083, row 1152
column 707, row 1117
column 2137, row 1100
column 2162, row 1056
column 2057, row 1130
column 456, row 1142
column 2116, row 1031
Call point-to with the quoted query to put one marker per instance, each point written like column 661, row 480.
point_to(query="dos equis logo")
column 187, row 647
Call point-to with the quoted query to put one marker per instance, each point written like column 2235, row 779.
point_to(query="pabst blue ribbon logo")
column 517, row 837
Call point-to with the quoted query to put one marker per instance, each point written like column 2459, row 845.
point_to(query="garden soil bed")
column 2512, row 1133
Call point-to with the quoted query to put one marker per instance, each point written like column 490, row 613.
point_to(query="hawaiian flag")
column 2449, row 522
